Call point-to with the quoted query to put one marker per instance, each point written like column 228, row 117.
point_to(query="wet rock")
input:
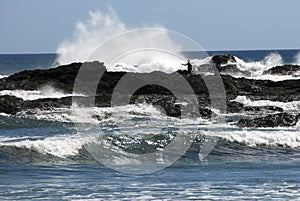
column 273, row 120
column 236, row 107
column 264, row 109
column 223, row 59
column 283, row 70
column 10, row 104
column 233, row 69
column 48, row 103
column 13, row 105
column 63, row 78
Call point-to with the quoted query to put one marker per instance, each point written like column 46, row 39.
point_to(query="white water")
column 148, row 120
column 269, row 137
column 43, row 92
column 149, row 61
column 287, row 106
column 3, row 76
column 60, row 146
column 90, row 35
column 297, row 59
column 255, row 68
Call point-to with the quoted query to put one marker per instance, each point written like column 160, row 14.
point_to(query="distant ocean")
column 42, row 155
column 12, row 63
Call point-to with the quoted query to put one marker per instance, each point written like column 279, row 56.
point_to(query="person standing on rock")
column 189, row 66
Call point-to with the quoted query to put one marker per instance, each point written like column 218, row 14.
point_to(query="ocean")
column 44, row 157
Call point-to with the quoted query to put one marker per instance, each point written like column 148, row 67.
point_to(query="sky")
column 35, row 26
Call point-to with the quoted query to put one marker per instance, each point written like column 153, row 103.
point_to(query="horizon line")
column 209, row 50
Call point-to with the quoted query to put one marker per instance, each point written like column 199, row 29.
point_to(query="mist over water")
column 91, row 38
column 102, row 27
column 297, row 58
column 88, row 35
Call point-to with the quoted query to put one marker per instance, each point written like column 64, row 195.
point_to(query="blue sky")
column 35, row 26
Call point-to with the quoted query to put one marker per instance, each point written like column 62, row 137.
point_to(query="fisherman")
column 189, row 66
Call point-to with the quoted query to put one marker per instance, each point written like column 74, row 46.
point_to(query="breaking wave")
column 126, row 127
column 101, row 27
column 293, row 106
column 43, row 92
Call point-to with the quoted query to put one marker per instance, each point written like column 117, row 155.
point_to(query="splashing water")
column 258, row 67
column 297, row 58
column 89, row 35
column 101, row 27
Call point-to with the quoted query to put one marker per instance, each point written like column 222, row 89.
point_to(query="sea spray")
column 88, row 35
column 297, row 58
column 258, row 67
column 100, row 28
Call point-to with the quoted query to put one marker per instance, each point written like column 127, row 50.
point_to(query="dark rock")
column 273, row 120
column 236, row 107
column 205, row 113
column 13, row 105
column 233, row 69
column 48, row 103
column 283, row 70
column 10, row 104
column 285, row 91
column 223, row 59
column 264, row 109
column 63, row 78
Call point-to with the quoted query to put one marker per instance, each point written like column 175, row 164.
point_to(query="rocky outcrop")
column 223, row 59
column 63, row 78
column 13, row 105
column 236, row 107
column 284, row 91
column 273, row 120
column 283, row 70
column 233, row 69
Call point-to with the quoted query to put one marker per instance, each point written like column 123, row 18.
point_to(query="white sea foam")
column 297, row 59
column 3, row 76
column 149, row 61
column 287, row 106
column 89, row 35
column 69, row 145
column 147, row 117
column 131, row 120
column 269, row 137
column 147, row 120
column 101, row 27
column 275, row 78
column 258, row 67
column 60, row 146
column 255, row 68
column 43, row 92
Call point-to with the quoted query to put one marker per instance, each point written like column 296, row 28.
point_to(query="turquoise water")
column 42, row 155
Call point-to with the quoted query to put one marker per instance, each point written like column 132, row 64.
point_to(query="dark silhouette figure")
column 189, row 66
column 218, row 65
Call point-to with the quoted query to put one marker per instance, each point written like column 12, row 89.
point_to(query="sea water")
column 42, row 155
